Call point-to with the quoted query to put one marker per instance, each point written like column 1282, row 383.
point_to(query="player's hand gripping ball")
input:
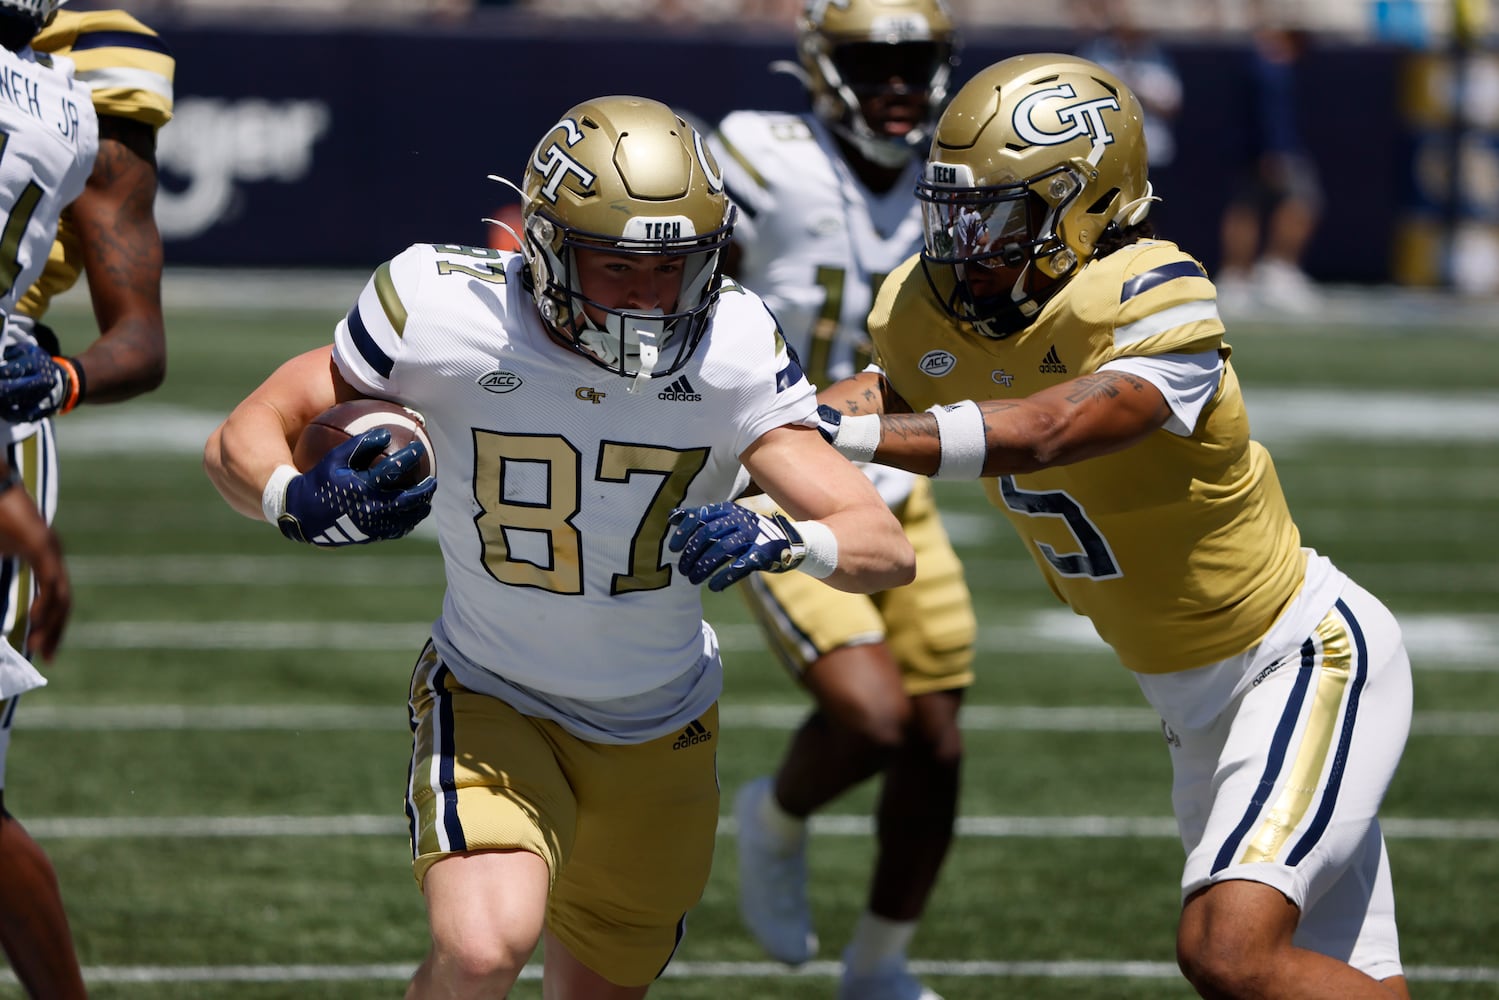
column 367, row 475
column 341, row 421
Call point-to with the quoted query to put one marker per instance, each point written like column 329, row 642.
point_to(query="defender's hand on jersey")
column 724, row 542
column 32, row 384
column 352, row 496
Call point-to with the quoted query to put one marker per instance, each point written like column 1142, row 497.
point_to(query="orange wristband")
column 75, row 382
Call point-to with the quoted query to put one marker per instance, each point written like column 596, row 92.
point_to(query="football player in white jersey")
column 590, row 402
column 49, row 138
column 827, row 209
column 1046, row 343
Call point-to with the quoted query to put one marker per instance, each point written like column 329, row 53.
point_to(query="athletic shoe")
column 772, row 882
column 889, row 980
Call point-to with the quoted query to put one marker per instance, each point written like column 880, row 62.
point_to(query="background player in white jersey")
column 49, row 136
column 590, row 401
column 1080, row 367
column 827, row 209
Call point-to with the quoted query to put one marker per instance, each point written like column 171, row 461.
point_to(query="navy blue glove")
column 723, row 543
column 352, row 496
column 32, row 385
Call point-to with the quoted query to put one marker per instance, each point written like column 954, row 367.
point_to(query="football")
column 341, row 421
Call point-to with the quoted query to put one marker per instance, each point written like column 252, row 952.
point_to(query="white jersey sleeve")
column 555, row 482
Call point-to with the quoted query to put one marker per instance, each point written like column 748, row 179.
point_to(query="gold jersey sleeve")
column 1180, row 550
column 130, row 72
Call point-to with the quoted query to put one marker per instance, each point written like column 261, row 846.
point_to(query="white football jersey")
column 816, row 242
column 555, row 482
column 49, row 136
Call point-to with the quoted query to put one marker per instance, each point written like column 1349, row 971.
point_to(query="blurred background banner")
column 333, row 142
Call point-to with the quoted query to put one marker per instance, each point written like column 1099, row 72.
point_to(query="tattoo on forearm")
column 1103, row 385
column 867, row 401
column 909, row 426
column 1107, row 385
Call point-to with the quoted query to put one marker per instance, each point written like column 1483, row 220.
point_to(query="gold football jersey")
column 130, row 72
column 1181, row 550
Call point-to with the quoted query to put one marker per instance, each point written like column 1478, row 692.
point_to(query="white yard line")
column 1454, row 642
column 822, row 825
column 1276, row 416
column 395, row 971
column 41, row 715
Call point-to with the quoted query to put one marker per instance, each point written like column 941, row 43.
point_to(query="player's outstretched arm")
column 1091, row 415
column 25, row 533
column 813, row 483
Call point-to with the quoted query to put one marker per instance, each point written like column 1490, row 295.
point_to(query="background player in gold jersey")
column 826, row 211
column 108, row 233
column 1078, row 366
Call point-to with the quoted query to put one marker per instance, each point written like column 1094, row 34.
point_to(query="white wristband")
column 273, row 497
column 961, row 428
column 858, row 437
column 822, row 548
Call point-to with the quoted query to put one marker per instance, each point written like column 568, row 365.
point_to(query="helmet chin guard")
column 628, row 340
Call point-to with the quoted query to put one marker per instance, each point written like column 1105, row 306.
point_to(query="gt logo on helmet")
column 554, row 164
column 1082, row 118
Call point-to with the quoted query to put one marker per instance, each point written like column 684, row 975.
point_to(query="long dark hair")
column 1113, row 238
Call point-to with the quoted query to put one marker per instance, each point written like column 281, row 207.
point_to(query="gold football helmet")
column 1036, row 158
column 625, row 175
column 850, row 49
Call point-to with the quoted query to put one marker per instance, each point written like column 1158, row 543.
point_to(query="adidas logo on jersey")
column 1051, row 364
column 680, row 391
column 692, row 736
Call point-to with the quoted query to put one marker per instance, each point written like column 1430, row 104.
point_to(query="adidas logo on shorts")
column 692, row 736
column 680, row 391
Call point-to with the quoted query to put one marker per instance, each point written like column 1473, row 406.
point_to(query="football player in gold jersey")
column 1046, row 343
column 109, row 234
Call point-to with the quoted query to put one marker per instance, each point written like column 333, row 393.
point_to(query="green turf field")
column 217, row 767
